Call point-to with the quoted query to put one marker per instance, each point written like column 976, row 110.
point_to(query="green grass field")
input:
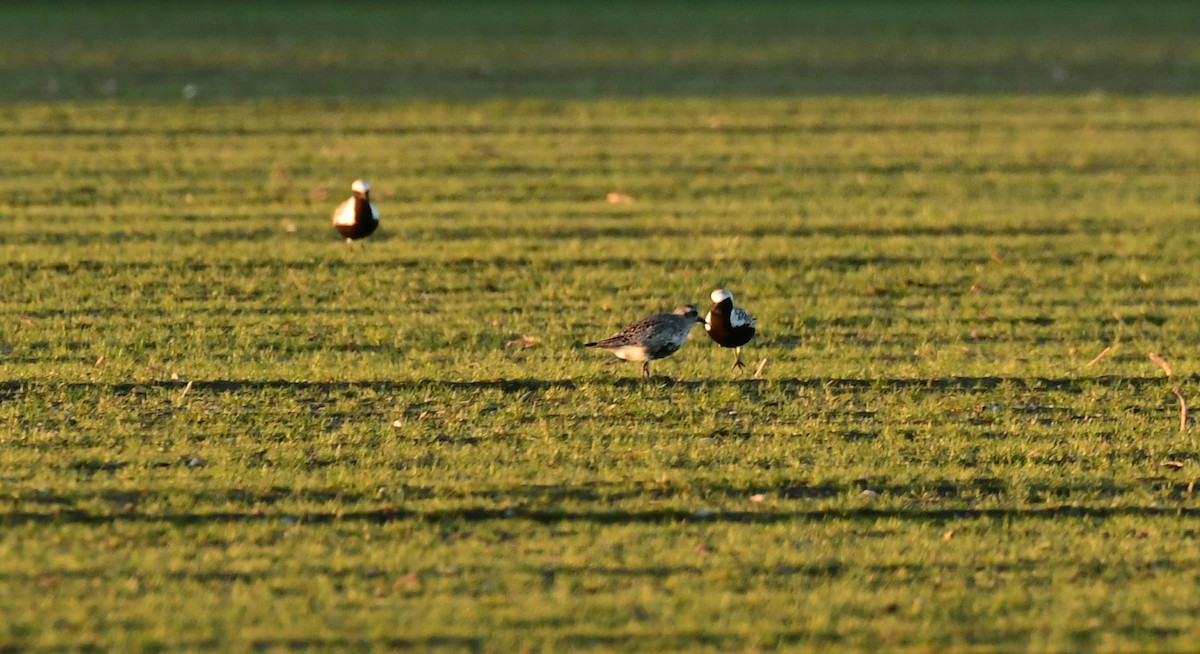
column 223, row 430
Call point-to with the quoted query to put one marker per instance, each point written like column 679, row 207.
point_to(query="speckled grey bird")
column 655, row 337
column 356, row 217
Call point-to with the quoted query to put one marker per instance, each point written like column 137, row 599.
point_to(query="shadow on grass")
column 10, row 389
column 544, row 496
column 392, row 264
column 601, row 517
column 443, row 234
column 403, row 80
column 332, row 643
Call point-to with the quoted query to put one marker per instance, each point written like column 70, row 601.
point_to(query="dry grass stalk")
column 1103, row 353
column 759, row 370
column 520, row 342
column 1161, row 362
column 1183, row 410
column 296, row 280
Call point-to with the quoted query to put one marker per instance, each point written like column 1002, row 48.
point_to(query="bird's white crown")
column 720, row 295
column 360, row 185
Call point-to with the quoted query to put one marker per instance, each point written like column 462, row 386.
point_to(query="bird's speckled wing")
column 739, row 318
column 638, row 332
column 669, row 337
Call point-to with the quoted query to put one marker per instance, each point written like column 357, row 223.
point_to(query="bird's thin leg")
column 646, row 370
column 737, row 358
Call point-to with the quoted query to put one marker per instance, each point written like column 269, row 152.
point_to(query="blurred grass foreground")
column 221, row 51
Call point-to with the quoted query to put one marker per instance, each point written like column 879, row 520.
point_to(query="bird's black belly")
column 364, row 220
column 725, row 334
column 361, row 229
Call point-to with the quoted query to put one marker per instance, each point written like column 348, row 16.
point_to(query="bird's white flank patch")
column 360, row 185
column 632, row 352
column 345, row 213
column 720, row 295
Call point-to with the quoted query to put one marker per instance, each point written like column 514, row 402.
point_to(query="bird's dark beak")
column 699, row 318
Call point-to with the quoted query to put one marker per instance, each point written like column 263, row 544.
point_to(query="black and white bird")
column 729, row 325
column 356, row 217
column 655, row 337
